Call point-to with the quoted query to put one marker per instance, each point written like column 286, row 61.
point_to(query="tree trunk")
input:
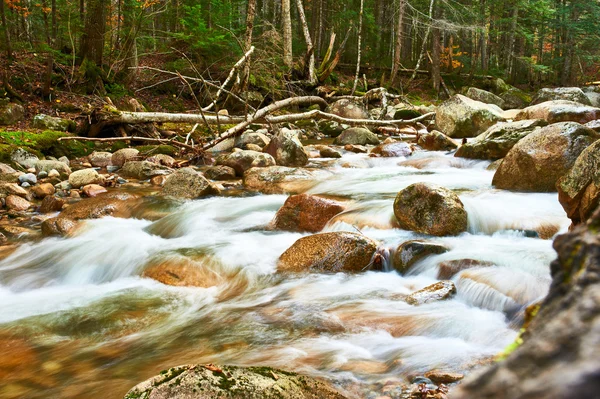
column 250, row 13
column 287, row 33
column 5, row 36
column 435, row 51
column 483, row 38
column 360, row 22
column 92, row 41
column 312, row 76
column 398, row 45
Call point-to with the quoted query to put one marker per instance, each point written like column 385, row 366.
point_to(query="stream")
column 77, row 319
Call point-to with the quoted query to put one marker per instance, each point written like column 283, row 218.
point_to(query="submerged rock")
column 495, row 142
column 182, row 272
column 558, row 356
column 211, row 381
column 439, row 291
column 560, row 111
column 397, row 149
column 331, row 253
column 536, row 162
column 579, row 188
column 357, row 136
column 436, row 141
column 306, row 213
column 281, row 179
column 410, row 252
column 447, row 269
column 430, row 209
column 462, row 117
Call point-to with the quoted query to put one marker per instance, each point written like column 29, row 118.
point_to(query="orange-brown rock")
column 51, row 203
column 432, row 293
column 331, row 252
column 17, row 203
column 449, row 268
column 183, row 272
column 43, row 190
column 93, row 190
column 305, row 212
column 443, row 377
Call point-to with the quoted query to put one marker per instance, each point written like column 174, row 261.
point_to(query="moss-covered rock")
column 46, row 122
column 212, row 381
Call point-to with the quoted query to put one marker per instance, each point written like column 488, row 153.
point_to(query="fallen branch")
column 133, row 138
column 264, row 112
column 316, row 114
column 229, row 77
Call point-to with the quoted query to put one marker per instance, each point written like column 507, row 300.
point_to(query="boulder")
column 186, row 183
column 223, row 146
column 48, row 166
column 116, row 204
column 93, row 190
column 183, row 272
column 484, row 96
column 495, row 142
column 212, row 381
column 143, row 170
column 515, row 99
column 219, row 172
column 84, row 177
column 331, row 253
column 436, row 141
column 4, row 168
column 328, row 152
column 14, row 189
column 557, row 357
column 43, row 190
column 51, row 203
column 439, row 291
column 356, row 136
column 243, row 160
column 349, row 109
column 305, row 212
column 462, row 117
column 123, row 155
column 579, row 189
column 430, row 209
column 594, row 125
column 389, row 150
column 287, row 150
column 11, row 113
column 23, row 158
column 560, row 93
column 17, row 203
column 282, row 180
column 447, row 269
column 331, row 128
column 537, row 161
column 410, row 252
column 593, row 94
column 100, row 159
column 46, row 122
column 251, row 137
column 560, row 111
column 162, row 159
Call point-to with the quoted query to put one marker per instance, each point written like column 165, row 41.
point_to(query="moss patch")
column 42, row 143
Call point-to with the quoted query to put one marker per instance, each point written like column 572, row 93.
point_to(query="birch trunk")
column 287, row 33
column 360, row 22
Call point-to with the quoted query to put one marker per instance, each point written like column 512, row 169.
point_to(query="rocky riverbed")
column 381, row 267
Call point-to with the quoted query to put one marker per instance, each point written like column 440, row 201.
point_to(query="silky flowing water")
column 78, row 320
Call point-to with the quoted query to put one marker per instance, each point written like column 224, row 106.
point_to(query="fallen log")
column 316, row 114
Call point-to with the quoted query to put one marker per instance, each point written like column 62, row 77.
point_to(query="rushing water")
column 77, row 319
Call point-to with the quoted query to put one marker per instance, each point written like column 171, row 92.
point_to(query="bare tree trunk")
column 510, row 53
column 360, row 22
column 424, row 44
column 398, row 44
column 5, row 35
column 287, row 33
column 483, row 37
column 250, row 13
column 435, row 51
column 312, row 76
column 92, row 42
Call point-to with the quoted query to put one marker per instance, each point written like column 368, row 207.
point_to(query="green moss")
column 512, row 347
column 157, row 149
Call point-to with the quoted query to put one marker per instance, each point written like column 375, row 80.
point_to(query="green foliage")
column 44, row 143
column 116, row 91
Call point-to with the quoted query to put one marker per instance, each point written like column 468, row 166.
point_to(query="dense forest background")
column 97, row 45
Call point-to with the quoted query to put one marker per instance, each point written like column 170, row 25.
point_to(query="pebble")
column 25, row 184
column 53, row 173
column 43, row 174
column 28, row 178
column 112, row 168
column 120, row 180
column 74, row 194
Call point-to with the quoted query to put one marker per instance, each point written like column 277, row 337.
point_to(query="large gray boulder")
column 243, row 160
column 461, row 116
column 48, row 165
column 43, row 121
column 186, row 183
column 561, row 93
column 536, row 162
column 495, row 142
column 557, row 356
column 24, row 158
column 143, row 170
column 211, row 381
column 348, row 109
column 11, row 113
column 287, row 150
column 357, row 136
column 560, row 111
column 484, row 96
column 430, row 209
column 84, row 177
column 515, row 99
column 593, row 94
